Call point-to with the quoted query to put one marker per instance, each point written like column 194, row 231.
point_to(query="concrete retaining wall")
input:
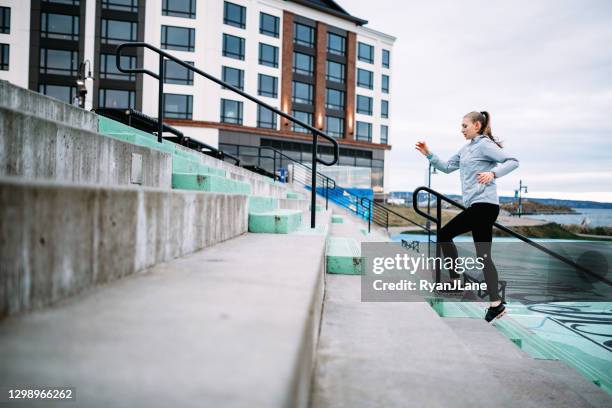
column 34, row 103
column 38, row 148
column 58, row 239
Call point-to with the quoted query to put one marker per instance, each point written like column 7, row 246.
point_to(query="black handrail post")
column 160, row 108
column 326, row 193
column 313, row 185
column 369, row 214
column 387, row 222
column 438, row 227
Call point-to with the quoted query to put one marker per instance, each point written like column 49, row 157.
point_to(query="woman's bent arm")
column 445, row 167
column 505, row 163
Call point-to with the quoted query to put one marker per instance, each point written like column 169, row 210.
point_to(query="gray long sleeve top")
column 480, row 155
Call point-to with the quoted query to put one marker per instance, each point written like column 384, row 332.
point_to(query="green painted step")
column 183, row 165
column 318, row 208
column 294, row 196
column 129, row 134
column 337, row 219
column 183, row 161
column 344, row 256
column 261, row 204
column 278, row 221
column 210, row 183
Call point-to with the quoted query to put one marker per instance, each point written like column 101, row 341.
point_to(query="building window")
column 305, row 117
column 334, row 126
column 302, row 92
column 5, row 20
column 366, row 53
column 303, row 35
column 178, row 38
column 69, row 2
column 115, row 31
column 4, row 57
column 385, row 84
column 384, row 109
column 108, row 67
column 231, row 111
column 303, row 64
column 115, row 98
column 233, row 77
column 384, row 134
column 266, row 118
column 234, row 15
column 364, row 131
column 58, row 62
column 63, row 93
column 233, row 47
column 268, row 25
column 336, row 44
column 364, row 104
column 365, row 78
column 335, row 71
column 179, row 8
column 335, row 99
column 175, row 73
column 122, row 5
column 59, row 26
column 268, row 55
column 386, row 58
column 178, row 106
column 267, row 86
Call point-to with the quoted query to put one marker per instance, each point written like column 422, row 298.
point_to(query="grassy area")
column 533, row 207
column 408, row 212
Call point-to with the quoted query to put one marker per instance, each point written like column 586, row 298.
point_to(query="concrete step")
column 394, row 354
column 35, row 104
column 209, row 183
column 260, row 204
column 294, row 196
column 535, row 382
column 337, row 219
column 182, row 165
column 344, row 256
column 279, row 221
column 210, row 329
column 39, row 148
column 60, row 239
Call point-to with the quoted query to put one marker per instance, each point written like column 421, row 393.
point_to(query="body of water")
column 597, row 217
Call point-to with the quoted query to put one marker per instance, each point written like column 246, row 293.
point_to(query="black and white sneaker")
column 495, row 312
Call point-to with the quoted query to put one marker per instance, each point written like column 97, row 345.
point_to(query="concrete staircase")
column 398, row 354
column 129, row 272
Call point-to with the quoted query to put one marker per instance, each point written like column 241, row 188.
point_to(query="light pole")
column 518, row 193
column 81, row 81
column 431, row 170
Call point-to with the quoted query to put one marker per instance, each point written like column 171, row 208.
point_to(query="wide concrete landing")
column 234, row 325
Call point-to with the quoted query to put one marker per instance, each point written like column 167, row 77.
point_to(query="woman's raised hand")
column 422, row 147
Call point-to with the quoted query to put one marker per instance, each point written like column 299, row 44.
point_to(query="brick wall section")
column 351, row 49
column 287, row 68
column 319, row 100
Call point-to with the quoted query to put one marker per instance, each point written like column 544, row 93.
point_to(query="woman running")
column 480, row 162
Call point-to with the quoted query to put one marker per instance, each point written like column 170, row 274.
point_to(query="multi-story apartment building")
column 311, row 59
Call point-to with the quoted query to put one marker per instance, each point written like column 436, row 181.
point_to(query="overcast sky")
column 542, row 68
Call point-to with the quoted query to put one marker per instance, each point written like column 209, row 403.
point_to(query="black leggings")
column 478, row 219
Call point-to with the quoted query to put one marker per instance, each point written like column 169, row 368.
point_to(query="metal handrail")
column 323, row 176
column 438, row 220
column 160, row 78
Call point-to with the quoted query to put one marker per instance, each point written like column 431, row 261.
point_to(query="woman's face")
column 470, row 129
